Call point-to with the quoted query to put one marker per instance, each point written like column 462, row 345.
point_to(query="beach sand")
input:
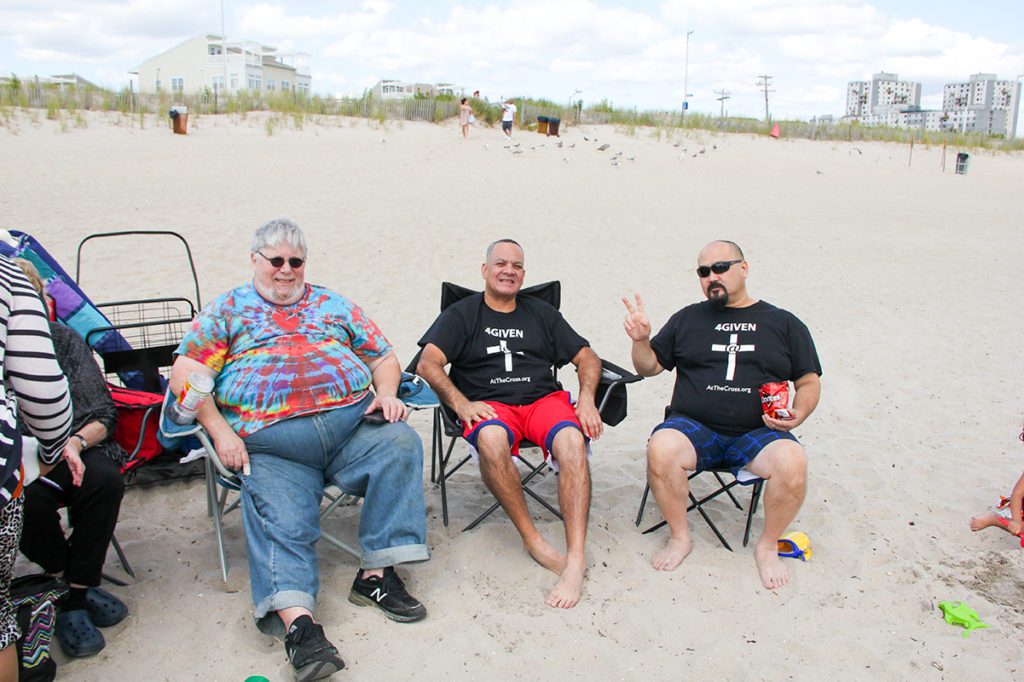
column 908, row 278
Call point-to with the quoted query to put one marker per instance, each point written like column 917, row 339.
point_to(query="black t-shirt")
column 722, row 357
column 504, row 357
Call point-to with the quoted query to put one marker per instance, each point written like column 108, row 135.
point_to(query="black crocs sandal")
column 104, row 608
column 77, row 635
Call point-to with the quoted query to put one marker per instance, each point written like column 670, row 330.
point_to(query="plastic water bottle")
column 197, row 388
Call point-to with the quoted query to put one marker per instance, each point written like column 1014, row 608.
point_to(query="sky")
column 629, row 53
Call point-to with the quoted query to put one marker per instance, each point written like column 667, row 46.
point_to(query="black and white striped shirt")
column 34, row 389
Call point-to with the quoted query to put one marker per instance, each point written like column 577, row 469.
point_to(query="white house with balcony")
column 210, row 63
column 394, row 89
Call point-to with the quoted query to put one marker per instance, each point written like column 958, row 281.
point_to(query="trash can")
column 179, row 119
column 542, row 125
column 961, row 163
column 553, row 124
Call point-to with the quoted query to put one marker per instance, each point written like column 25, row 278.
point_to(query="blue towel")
column 416, row 394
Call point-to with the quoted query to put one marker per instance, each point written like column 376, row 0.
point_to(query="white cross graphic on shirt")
column 732, row 349
column 502, row 347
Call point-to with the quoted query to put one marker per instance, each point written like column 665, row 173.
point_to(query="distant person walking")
column 508, row 118
column 465, row 117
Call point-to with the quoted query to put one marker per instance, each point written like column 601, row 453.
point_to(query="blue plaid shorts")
column 719, row 451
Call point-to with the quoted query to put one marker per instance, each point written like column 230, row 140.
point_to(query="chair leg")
column 534, row 471
column 643, row 503
column 707, row 519
column 442, row 479
column 727, row 490
column 120, row 555
column 215, row 505
column 436, row 444
column 755, row 497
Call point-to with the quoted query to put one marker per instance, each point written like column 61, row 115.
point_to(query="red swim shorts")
column 538, row 422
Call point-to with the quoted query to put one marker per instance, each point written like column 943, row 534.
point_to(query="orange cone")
column 776, row 131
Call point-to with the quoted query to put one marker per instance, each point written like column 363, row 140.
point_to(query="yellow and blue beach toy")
column 795, row 544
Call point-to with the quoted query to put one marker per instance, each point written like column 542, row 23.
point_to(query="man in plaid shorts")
column 723, row 349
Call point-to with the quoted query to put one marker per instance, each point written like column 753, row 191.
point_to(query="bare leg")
column 574, row 501
column 288, row 615
column 987, row 521
column 670, row 456
column 9, row 663
column 783, row 465
column 502, row 479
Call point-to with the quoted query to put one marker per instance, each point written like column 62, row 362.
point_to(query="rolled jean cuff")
column 267, row 620
column 392, row 556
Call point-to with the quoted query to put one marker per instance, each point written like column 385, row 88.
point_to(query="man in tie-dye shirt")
column 297, row 367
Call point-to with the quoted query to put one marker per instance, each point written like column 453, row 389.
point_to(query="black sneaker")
column 389, row 595
column 309, row 652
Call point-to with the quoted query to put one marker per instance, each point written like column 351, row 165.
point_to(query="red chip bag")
column 775, row 399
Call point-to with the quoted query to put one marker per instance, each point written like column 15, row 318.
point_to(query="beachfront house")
column 209, row 63
column 395, row 89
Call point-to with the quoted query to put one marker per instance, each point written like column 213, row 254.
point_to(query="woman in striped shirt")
column 34, row 390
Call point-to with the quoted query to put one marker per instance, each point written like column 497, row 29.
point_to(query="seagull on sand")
column 603, row 147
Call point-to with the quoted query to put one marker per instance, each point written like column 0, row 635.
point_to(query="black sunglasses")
column 719, row 268
column 295, row 262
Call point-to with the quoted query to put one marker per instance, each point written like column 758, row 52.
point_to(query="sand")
column 908, row 277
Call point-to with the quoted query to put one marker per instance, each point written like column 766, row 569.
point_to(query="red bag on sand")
column 138, row 414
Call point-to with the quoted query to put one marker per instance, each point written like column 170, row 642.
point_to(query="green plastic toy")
column 959, row 613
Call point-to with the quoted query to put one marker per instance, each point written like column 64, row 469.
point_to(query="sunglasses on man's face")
column 278, row 261
column 719, row 268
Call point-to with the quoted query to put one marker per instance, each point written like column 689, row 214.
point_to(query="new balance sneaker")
column 309, row 652
column 388, row 594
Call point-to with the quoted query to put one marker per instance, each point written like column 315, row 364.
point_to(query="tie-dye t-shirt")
column 275, row 362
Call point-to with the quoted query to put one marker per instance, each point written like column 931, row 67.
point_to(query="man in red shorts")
column 501, row 348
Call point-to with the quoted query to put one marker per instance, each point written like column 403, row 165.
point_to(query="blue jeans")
column 291, row 462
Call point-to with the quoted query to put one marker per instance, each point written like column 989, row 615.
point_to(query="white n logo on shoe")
column 378, row 595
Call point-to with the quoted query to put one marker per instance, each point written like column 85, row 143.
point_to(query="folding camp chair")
column 742, row 477
column 610, row 399
column 221, row 483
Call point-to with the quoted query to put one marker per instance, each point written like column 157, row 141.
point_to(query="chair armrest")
column 611, row 392
column 613, row 374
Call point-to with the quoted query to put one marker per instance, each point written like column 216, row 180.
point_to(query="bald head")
column 734, row 250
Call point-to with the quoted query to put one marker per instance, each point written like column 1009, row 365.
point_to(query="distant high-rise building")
column 982, row 104
column 883, row 94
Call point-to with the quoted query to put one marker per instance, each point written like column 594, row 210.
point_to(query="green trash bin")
column 542, row 125
column 553, row 124
column 962, row 160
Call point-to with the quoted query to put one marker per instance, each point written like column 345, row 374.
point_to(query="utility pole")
column 764, row 83
column 686, row 73
column 722, row 96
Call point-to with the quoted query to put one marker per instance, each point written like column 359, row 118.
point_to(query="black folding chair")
column 698, row 503
column 610, row 399
column 745, row 479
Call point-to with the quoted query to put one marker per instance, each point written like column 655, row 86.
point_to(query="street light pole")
column 686, row 73
column 571, row 107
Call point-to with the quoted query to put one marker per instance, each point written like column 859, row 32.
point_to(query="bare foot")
column 672, row 554
column 985, row 521
column 566, row 593
column 546, row 555
column 773, row 572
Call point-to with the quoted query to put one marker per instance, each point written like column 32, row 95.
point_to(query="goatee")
column 718, row 295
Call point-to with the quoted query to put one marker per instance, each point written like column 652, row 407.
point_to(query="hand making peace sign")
column 636, row 323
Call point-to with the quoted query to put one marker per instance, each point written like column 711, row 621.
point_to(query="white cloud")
column 630, row 53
